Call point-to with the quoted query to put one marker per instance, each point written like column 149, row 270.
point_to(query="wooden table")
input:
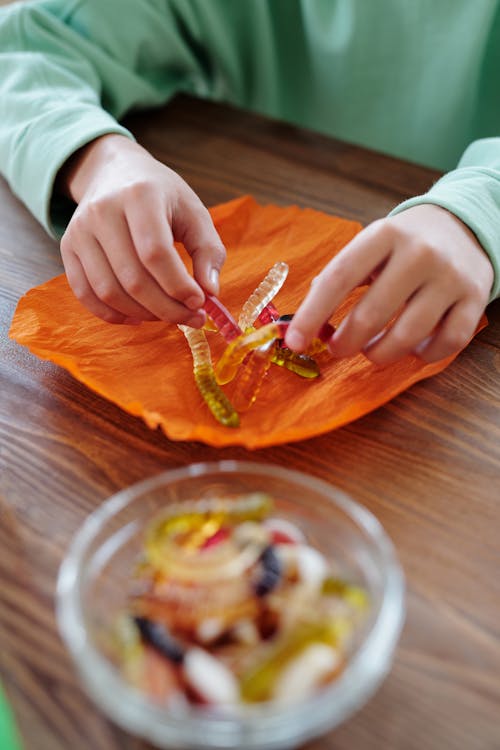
column 427, row 464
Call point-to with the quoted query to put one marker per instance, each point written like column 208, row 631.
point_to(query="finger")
column 193, row 226
column 136, row 281
column 103, row 282
column 341, row 275
column 83, row 291
column 400, row 279
column 153, row 241
column 416, row 323
column 453, row 334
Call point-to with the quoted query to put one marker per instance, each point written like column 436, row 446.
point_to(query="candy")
column 271, row 572
column 310, row 565
column 236, row 351
column 251, row 376
column 301, row 364
column 209, row 678
column 159, row 679
column 232, row 605
column 318, row 344
column 268, row 314
column 173, row 541
column 264, row 293
column 283, row 531
column 258, row 683
column 158, row 636
column 305, row 673
column 204, row 376
column 192, row 515
column 210, row 629
column 354, row 595
column 222, row 318
column 182, row 606
column 249, row 348
column 325, row 332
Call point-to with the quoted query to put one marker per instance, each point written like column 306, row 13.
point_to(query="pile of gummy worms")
column 253, row 344
column 231, row 606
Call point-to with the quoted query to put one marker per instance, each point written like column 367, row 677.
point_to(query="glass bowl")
column 95, row 576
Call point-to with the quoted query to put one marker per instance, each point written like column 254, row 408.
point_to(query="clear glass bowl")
column 94, row 579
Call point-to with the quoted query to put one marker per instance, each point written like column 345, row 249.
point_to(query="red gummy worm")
column 325, row 332
column 268, row 314
column 283, row 327
column 222, row 318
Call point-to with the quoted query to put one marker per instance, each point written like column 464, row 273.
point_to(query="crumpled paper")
column 147, row 369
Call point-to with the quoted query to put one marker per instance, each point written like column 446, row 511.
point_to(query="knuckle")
column 137, row 190
column 106, row 291
column 181, row 292
column 428, row 253
column 364, row 321
column 110, row 316
column 77, row 224
column 399, row 232
column 385, row 230
column 81, row 292
column 400, row 338
column 379, row 226
column 151, row 251
column 476, row 290
column 95, row 210
column 219, row 255
column 455, row 339
column 132, row 281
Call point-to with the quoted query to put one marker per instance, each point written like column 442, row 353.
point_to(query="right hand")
column 118, row 249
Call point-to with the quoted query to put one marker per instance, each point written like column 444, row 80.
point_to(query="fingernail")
column 194, row 302
column 423, row 345
column 374, row 340
column 214, row 280
column 295, row 340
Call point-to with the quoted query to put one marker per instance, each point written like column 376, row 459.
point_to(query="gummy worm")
column 226, row 324
column 264, row 293
column 236, row 350
column 251, row 376
column 204, row 376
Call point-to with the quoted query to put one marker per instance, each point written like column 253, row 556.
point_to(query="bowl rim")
column 287, row 724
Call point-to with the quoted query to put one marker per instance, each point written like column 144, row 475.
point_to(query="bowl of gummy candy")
column 230, row 605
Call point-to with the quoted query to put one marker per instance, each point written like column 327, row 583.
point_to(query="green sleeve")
column 472, row 192
column 9, row 738
column 69, row 70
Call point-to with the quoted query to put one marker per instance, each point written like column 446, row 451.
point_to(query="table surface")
column 427, row 464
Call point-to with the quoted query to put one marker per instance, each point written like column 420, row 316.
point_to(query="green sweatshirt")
column 9, row 738
column 412, row 78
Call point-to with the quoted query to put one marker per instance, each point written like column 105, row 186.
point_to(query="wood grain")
column 427, row 464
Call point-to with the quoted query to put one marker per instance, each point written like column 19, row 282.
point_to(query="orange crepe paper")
column 147, row 369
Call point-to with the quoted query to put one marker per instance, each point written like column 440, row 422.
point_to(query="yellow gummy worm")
column 204, row 376
column 236, row 350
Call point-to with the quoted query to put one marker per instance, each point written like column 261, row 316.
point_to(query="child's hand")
column 118, row 250
column 427, row 269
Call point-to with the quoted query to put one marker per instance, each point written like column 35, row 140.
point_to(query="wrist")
column 85, row 165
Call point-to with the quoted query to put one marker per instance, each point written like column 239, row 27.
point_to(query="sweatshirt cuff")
column 62, row 132
column 473, row 195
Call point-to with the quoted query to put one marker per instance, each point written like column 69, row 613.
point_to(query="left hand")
column 428, row 272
